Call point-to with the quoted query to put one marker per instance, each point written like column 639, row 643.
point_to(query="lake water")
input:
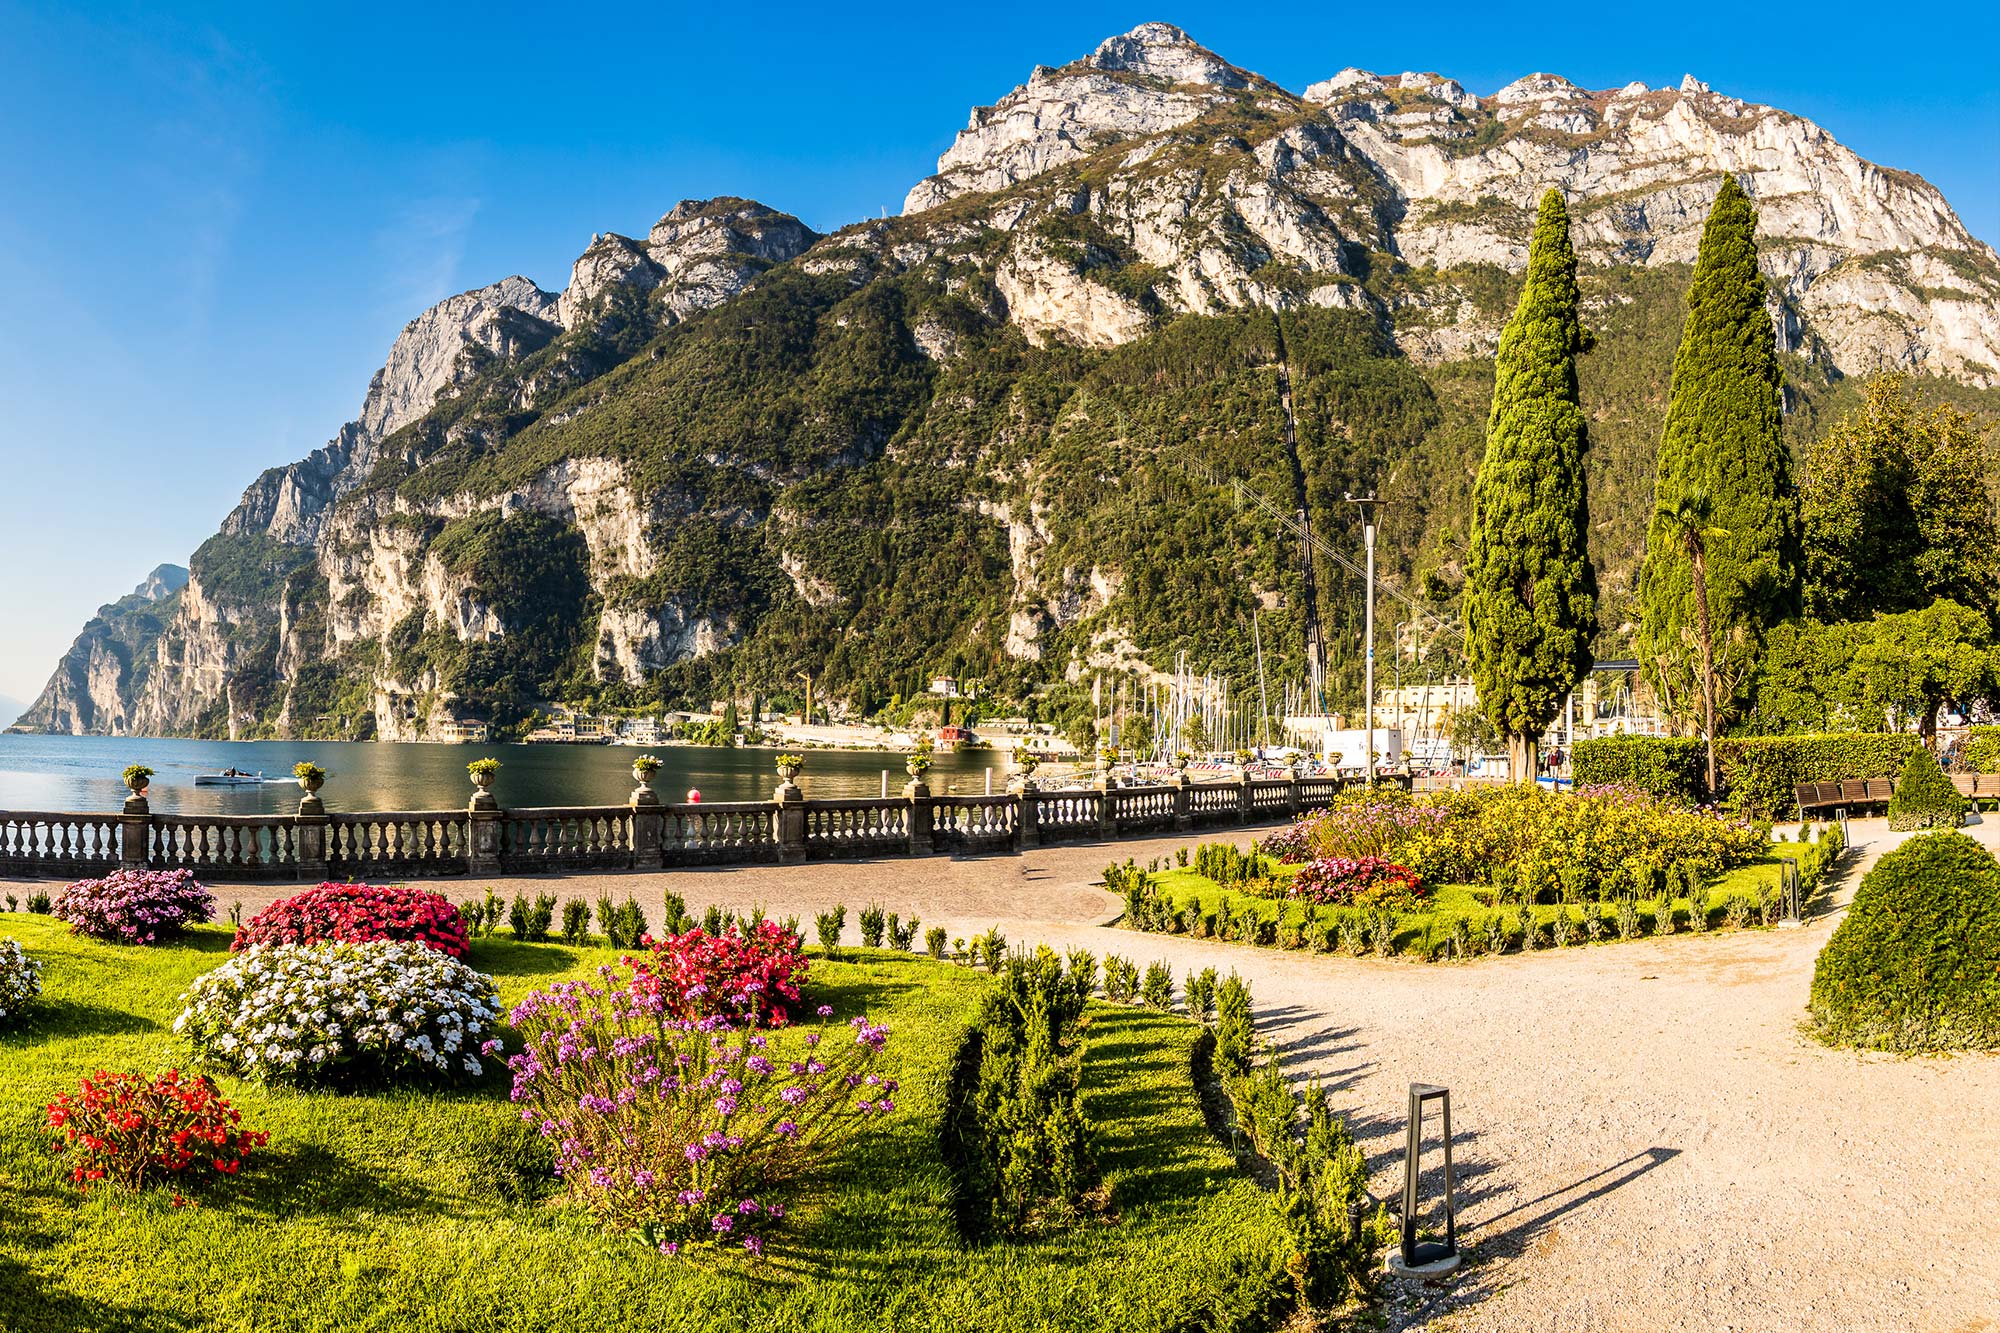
column 81, row 773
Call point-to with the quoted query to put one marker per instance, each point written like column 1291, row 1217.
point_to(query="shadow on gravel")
column 1533, row 1218
column 1316, row 1045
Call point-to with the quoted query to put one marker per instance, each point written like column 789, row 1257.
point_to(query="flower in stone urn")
column 138, row 777
column 310, row 775
column 789, row 765
column 1181, row 760
column 1027, row 760
column 644, row 767
column 483, row 772
column 918, row 763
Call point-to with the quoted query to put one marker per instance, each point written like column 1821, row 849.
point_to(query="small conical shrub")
column 1916, row 964
column 1924, row 796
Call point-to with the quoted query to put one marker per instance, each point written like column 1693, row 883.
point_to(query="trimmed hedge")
column 1916, row 964
column 1924, row 796
column 1760, row 774
column 1669, row 767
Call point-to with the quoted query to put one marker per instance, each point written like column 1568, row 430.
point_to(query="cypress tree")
column 1722, row 441
column 1530, row 593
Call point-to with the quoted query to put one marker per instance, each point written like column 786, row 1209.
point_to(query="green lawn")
column 398, row 1211
column 1451, row 902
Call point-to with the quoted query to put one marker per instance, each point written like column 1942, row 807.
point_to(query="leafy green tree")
column 1896, row 510
column 1530, row 595
column 1723, row 441
column 1919, row 661
column 1805, row 680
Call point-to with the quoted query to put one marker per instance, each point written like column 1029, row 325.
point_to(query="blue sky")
column 214, row 220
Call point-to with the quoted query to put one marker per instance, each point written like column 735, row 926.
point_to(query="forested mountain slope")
column 994, row 436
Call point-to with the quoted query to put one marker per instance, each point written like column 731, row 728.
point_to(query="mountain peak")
column 1163, row 51
column 1137, row 84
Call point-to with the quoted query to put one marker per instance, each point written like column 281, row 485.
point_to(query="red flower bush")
column 121, row 1128
column 1366, row 881
column 358, row 914
column 755, row 976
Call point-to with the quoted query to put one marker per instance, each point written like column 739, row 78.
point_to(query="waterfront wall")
column 487, row 839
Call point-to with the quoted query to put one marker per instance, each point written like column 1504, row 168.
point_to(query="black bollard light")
column 1426, row 1258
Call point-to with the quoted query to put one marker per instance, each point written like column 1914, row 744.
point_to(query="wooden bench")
column 1978, row 786
column 1854, row 794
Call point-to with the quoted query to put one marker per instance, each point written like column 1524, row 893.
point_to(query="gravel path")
column 1645, row 1140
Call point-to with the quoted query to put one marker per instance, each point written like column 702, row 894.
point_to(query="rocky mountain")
column 993, row 435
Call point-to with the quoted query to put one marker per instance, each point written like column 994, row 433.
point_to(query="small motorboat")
column 229, row 777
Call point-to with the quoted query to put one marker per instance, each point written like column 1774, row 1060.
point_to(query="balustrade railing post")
column 1246, row 798
column 1292, row 802
column 1183, row 802
column 649, row 827
column 918, row 794
column 135, row 829
column 1107, row 807
column 482, row 844
column 1027, row 815
column 791, row 821
column 311, row 828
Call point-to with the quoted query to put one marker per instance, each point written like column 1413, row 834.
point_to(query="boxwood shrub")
column 1913, row 966
column 1924, row 796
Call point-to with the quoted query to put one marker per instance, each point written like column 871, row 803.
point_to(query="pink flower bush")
column 680, row 1129
column 1366, row 881
column 134, row 906
column 358, row 914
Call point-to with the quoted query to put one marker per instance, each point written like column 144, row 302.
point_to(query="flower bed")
column 1367, row 881
column 319, row 1013
column 756, row 976
column 123, row 1129
column 680, row 1129
column 134, row 906
column 20, row 979
column 357, row 914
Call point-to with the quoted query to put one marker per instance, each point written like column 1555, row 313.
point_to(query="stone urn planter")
column 482, row 772
column 789, row 772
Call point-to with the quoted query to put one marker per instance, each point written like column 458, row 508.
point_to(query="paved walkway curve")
column 1645, row 1139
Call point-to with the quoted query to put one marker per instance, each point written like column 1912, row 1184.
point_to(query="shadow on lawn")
column 30, row 1300
column 310, row 1179
column 54, row 1020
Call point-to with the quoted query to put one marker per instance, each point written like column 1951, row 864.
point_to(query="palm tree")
column 1687, row 523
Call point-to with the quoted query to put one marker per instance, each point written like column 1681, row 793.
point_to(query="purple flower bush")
column 1359, row 824
column 680, row 1129
column 134, row 906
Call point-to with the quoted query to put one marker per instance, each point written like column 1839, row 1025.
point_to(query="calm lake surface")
column 82, row 773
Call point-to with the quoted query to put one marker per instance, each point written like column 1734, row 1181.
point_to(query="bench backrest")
column 1880, row 789
column 1854, row 792
column 1967, row 783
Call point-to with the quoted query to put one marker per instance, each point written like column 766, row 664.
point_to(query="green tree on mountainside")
column 1723, row 440
column 1530, row 595
column 1896, row 509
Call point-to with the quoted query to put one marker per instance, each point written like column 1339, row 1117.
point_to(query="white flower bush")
column 20, row 979
column 316, row 1013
